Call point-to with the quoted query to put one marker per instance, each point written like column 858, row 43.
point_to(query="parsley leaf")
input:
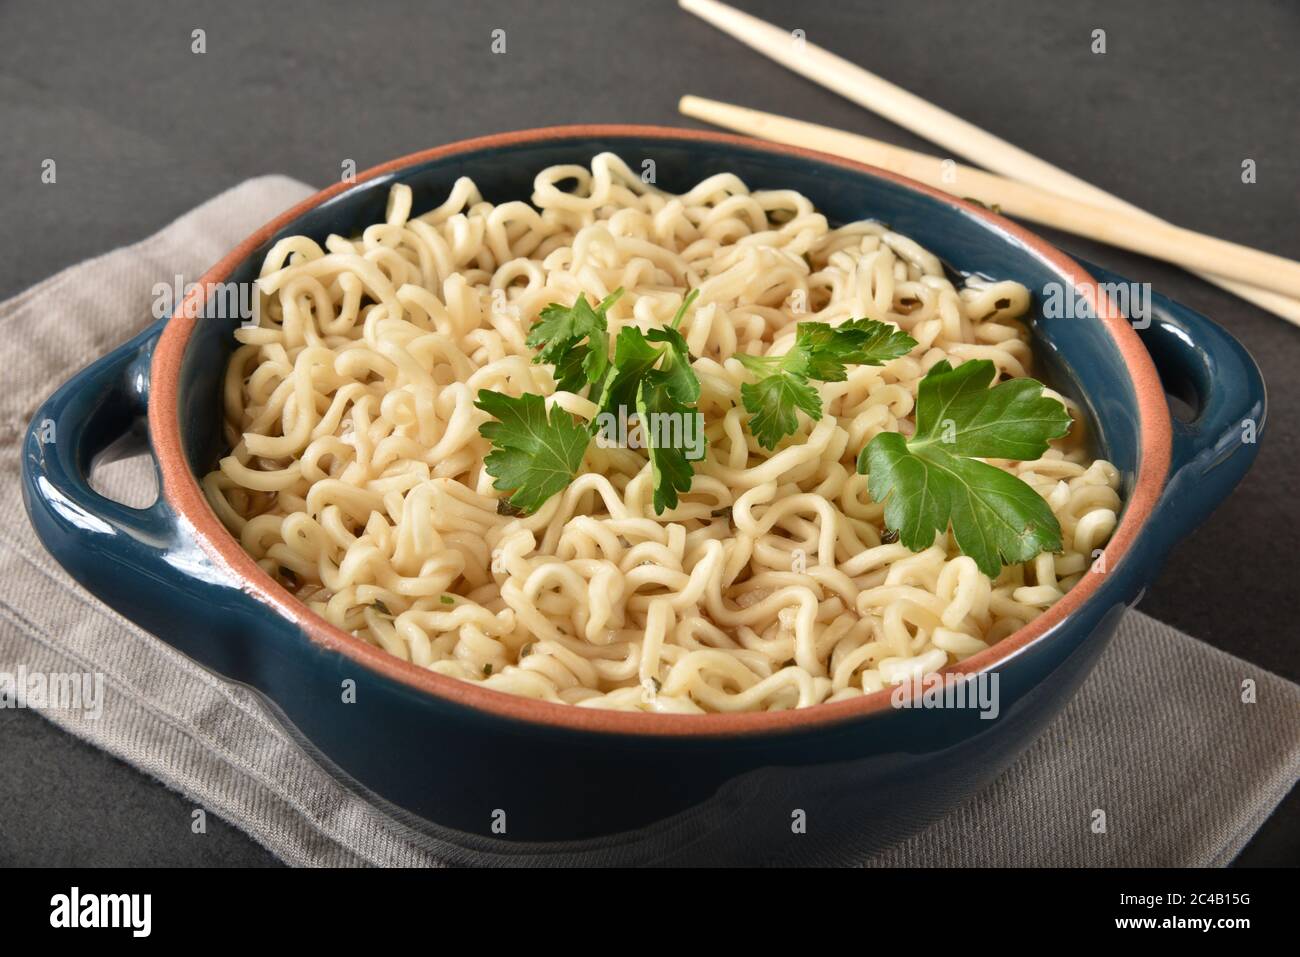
column 672, row 470
column 822, row 352
column 772, row 402
column 559, row 335
column 634, row 356
column 934, row 479
column 651, row 376
column 676, row 365
column 863, row 342
column 536, row 454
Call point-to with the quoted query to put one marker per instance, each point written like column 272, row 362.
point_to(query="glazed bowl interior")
column 1100, row 364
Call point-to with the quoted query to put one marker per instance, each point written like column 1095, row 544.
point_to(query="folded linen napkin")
column 1158, row 737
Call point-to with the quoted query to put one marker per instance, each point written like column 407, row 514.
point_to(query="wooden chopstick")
column 939, row 126
column 1119, row 228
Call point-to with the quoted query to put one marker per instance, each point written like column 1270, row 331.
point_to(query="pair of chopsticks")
column 1028, row 187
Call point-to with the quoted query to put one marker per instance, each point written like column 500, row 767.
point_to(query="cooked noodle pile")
column 357, row 478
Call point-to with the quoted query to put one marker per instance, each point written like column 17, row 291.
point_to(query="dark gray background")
column 143, row 129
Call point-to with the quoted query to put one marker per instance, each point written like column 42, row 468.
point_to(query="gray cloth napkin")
column 1158, row 738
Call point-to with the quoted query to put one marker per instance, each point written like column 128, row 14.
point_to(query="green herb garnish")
column 935, row 478
column 820, row 352
column 671, row 469
column 635, row 355
column 650, row 374
column 574, row 339
column 447, row 600
column 536, row 453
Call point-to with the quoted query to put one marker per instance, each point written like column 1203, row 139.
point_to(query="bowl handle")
column 1209, row 369
column 135, row 559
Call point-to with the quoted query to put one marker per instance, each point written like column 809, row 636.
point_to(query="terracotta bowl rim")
column 181, row 490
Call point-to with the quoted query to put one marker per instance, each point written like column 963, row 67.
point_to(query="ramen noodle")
column 357, row 473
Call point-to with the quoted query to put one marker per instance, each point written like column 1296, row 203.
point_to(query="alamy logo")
column 1132, row 299
column 934, row 690
column 220, row 300
column 134, row 911
column 58, row 690
column 667, row 430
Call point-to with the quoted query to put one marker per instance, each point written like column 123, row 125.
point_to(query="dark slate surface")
column 143, row 129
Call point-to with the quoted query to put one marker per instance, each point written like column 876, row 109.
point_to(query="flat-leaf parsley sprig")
column 635, row 355
column 536, row 453
column 821, row 352
column 666, row 389
column 935, row 479
column 928, row 483
column 574, row 339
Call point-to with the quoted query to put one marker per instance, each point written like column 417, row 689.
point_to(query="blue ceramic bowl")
column 466, row 762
